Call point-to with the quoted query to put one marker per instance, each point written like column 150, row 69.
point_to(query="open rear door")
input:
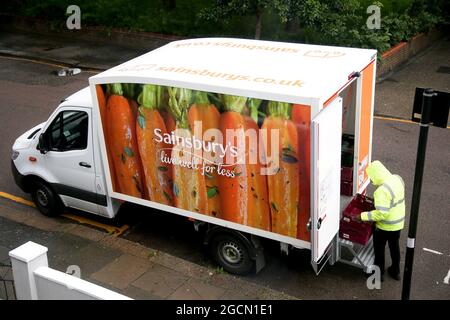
column 326, row 171
column 364, row 123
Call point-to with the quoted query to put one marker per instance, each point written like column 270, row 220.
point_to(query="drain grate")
column 443, row 69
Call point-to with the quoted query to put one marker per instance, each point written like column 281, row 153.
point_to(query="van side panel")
column 191, row 166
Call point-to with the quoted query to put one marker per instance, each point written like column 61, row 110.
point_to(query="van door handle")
column 85, row 164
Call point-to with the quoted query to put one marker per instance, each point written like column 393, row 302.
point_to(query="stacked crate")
column 347, row 165
column 351, row 228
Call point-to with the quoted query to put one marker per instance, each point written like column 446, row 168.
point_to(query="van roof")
column 81, row 98
column 290, row 72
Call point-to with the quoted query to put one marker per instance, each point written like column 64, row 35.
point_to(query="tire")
column 46, row 200
column 232, row 254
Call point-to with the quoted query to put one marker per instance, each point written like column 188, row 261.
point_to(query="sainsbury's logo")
column 191, row 142
column 198, row 149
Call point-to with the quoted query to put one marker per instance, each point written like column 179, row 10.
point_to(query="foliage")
column 334, row 22
column 225, row 9
column 343, row 22
column 228, row 8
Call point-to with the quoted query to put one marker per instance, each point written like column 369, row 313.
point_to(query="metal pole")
column 420, row 162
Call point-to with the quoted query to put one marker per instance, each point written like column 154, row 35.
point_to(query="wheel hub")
column 232, row 253
column 42, row 198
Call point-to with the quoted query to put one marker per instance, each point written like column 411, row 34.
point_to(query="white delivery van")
column 246, row 138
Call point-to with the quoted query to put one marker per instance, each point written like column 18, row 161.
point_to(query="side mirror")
column 43, row 145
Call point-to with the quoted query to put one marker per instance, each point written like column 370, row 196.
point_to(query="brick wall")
column 401, row 52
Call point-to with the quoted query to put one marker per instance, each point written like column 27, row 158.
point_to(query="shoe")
column 395, row 276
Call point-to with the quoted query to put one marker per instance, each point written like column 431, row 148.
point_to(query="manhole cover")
column 443, row 69
column 68, row 72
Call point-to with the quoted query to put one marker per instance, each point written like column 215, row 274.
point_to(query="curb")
column 63, row 63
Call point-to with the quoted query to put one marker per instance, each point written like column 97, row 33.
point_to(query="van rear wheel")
column 231, row 254
column 46, row 200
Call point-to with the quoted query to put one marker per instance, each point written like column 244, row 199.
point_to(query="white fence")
column 34, row 280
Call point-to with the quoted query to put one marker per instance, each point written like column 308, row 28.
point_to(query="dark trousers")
column 380, row 237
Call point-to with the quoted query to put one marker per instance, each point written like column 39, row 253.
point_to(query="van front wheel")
column 45, row 199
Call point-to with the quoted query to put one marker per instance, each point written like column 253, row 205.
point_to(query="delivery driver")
column 389, row 215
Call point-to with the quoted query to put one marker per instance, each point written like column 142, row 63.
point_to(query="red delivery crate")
column 347, row 174
column 352, row 229
column 359, row 203
column 346, row 188
column 357, row 232
column 364, row 202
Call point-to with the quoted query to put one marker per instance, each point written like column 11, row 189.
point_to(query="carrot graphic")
column 284, row 181
column 301, row 115
column 101, row 102
column 103, row 111
column 189, row 186
column 168, row 119
column 207, row 114
column 123, row 144
column 259, row 217
column 157, row 173
column 236, row 200
column 129, row 91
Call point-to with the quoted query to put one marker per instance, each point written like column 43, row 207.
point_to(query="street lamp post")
column 420, row 162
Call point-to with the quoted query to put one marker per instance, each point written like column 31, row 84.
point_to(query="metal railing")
column 7, row 289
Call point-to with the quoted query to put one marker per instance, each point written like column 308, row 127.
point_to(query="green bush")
column 344, row 23
column 333, row 22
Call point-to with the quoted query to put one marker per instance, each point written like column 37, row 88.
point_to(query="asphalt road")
column 29, row 92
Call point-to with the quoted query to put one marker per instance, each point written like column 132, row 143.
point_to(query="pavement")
column 118, row 264
column 428, row 69
column 151, row 260
column 62, row 51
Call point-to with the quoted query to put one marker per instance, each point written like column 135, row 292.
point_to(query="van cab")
column 58, row 162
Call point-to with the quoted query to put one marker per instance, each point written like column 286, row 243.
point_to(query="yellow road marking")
column 397, row 120
column 43, row 62
column 115, row 231
column 110, row 229
column 17, row 199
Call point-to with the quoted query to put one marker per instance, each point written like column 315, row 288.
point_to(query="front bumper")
column 19, row 178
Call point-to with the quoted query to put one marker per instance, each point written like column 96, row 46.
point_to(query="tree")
column 225, row 9
column 305, row 12
column 169, row 4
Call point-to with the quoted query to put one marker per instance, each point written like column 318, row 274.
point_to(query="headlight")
column 14, row 154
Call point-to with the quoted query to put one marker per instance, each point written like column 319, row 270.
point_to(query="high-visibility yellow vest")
column 389, row 198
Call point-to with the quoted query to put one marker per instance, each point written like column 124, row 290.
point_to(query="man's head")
column 377, row 173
